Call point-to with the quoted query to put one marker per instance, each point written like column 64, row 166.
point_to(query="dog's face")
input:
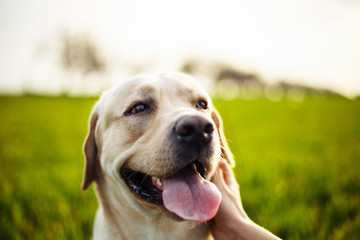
column 157, row 137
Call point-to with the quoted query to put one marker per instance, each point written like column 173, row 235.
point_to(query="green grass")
column 298, row 166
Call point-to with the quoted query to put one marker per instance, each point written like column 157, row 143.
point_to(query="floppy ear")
column 225, row 150
column 92, row 164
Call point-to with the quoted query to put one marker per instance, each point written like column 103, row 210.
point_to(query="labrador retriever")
column 153, row 146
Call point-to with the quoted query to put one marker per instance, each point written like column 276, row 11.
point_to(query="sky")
column 315, row 42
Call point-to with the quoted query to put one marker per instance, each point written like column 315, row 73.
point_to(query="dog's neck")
column 121, row 218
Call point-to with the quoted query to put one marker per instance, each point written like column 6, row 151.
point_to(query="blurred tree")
column 190, row 67
column 80, row 53
column 242, row 78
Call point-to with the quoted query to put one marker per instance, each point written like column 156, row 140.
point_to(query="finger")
column 218, row 178
column 227, row 173
column 229, row 176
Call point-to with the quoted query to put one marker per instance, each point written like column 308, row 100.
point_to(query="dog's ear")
column 92, row 164
column 225, row 150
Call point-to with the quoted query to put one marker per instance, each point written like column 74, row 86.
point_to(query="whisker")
column 133, row 175
column 147, row 175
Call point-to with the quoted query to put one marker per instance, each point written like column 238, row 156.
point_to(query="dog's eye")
column 202, row 104
column 138, row 108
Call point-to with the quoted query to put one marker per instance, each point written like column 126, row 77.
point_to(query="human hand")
column 231, row 221
column 230, row 211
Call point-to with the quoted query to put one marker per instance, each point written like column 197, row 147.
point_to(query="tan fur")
column 140, row 142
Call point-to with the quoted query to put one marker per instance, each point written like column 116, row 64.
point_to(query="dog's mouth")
column 185, row 195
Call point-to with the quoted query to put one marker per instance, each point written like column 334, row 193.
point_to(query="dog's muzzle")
column 185, row 192
column 193, row 130
column 192, row 137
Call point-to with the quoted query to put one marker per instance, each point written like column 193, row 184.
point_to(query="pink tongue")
column 190, row 196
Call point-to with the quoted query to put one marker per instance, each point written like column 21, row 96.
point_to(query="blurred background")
column 81, row 47
column 285, row 76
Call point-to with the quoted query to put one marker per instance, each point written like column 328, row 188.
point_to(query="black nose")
column 193, row 129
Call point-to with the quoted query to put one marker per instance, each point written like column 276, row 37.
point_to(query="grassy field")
column 298, row 165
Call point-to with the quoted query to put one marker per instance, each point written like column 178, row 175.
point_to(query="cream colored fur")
column 140, row 142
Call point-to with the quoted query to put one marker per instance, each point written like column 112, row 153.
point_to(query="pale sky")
column 315, row 42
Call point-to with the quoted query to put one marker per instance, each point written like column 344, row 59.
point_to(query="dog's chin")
column 149, row 188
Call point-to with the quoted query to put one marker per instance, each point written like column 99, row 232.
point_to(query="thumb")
column 218, row 178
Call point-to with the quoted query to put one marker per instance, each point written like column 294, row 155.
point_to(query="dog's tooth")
column 154, row 180
column 159, row 182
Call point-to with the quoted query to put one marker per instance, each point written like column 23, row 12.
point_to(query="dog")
column 154, row 144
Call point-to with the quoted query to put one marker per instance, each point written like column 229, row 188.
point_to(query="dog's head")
column 159, row 138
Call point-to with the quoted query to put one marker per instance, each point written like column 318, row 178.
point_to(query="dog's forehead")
column 165, row 85
column 181, row 86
